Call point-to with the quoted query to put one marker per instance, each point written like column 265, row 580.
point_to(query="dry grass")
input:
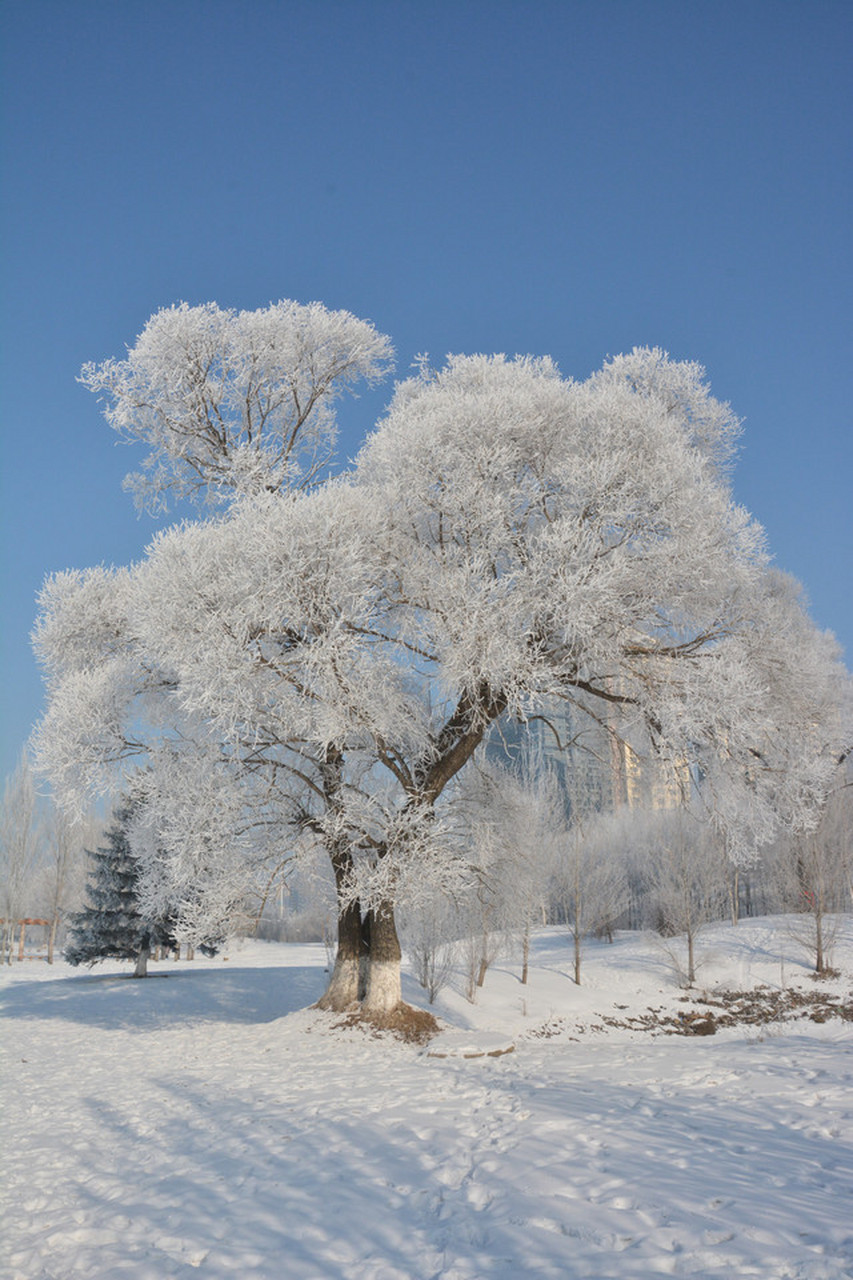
column 414, row 1026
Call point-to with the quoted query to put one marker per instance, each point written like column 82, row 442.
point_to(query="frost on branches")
column 318, row 667
column 235, row 400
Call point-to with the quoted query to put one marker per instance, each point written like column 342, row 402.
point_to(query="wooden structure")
column 9, row 927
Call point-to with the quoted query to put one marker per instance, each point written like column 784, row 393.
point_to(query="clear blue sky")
column 571, row 177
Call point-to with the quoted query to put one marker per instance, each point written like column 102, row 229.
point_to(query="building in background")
column 605, row 761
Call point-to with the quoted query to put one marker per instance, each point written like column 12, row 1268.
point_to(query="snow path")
column 208, row 1125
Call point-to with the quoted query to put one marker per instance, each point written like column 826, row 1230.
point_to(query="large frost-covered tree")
column 507, row 538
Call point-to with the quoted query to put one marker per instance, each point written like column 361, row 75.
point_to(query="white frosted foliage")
column 235, row 400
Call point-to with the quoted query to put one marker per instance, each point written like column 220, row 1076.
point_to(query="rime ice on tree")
column 321, row 663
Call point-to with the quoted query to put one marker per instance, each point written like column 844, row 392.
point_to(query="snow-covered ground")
column 206, row 1124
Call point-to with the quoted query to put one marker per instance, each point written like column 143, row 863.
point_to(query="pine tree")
column 111, row 926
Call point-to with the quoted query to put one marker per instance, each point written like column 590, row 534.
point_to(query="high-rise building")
column 604, row 759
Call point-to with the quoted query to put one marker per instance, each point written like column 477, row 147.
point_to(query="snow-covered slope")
column 205, row 1123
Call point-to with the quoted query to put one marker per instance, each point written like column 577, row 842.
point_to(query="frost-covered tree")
column 514, row 826
column 42, row 856
column 20, row 847
column 430, row 934
column 507, row 538
column 111, row 926
column 815, row 873
column 62, row 875
column 590, row 879
column 685, row 878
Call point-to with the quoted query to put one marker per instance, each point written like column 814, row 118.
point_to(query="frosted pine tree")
column 111, row 926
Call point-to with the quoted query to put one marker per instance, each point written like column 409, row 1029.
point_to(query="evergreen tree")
column 111, row 926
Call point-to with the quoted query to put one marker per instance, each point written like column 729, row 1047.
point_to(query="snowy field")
column 204, row 1123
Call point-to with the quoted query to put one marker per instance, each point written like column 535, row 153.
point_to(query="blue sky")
column 570, row 178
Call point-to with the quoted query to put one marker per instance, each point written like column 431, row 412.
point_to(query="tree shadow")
column 284, row 1177
column 233, row 995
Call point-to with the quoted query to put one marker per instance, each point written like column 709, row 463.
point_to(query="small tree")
column 591, row 882
column 817, row 874
column 20, row 845
column 531, row 814
column 508, row 821
column 111, row 926
column 63, row 873
column 428, row 938
column 686, row 878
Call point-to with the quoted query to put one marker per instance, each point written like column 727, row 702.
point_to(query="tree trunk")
column 342, row 990
column 141, row 970
column 578, row 908
column 384, row 990
column 525, row 955
column 51, row 940
column 818, row 928
column 485, row 960
column 734, row 895
column 364, row 954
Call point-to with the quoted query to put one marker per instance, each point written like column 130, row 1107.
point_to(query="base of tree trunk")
column 342, row 991
column 384, row 992
column 415, row 1026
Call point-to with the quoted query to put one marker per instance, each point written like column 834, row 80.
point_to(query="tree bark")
column 483, row 969
column 384, row 989
column 734, row 895
column 141, row 970
column 364, row 954
column 342, row 990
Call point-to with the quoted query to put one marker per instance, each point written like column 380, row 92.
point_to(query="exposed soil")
column 415, row 1026
column 760, row 1007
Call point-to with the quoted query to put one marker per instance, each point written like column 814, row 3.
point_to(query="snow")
column 206, row 1123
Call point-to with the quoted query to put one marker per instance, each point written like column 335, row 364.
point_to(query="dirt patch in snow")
column 414, row 1026
column 761, row 1007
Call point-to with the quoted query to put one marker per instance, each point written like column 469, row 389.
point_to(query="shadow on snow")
column 115, row 1001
